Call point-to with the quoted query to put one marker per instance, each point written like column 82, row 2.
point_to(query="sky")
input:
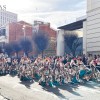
column 57, row 12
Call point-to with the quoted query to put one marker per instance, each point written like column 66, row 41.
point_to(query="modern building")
column 7, row 17
column 91, row 27
column 39, row 25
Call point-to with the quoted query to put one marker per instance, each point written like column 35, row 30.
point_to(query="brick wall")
column 16, row 31
column 51, row 50
column 48, row 29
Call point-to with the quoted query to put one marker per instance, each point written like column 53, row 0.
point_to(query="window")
column 2, row 32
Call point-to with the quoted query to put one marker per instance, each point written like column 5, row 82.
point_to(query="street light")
column 3, row 37
column 24, row 35
column 24, row 31
column 2, row 42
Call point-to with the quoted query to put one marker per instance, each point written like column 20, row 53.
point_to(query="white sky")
column 57, row 12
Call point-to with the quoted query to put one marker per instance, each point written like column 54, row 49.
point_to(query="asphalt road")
column 12, row 89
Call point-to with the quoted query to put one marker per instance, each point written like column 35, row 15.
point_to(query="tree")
column 8, row 49
column 16, row 47
column 76, row 44
column 0, row 49
column 26, row 46
column 71, row 42
column 41, row 41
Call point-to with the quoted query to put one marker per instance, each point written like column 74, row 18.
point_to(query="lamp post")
column 24, row 31
column 24, row 35
column 2, row 42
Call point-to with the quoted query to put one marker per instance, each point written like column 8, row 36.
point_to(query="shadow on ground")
column 67, row 87
column 27, row 84
column 91, row 84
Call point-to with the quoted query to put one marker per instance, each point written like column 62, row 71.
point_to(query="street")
column 12, row 89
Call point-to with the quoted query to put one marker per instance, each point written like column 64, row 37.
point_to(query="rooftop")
column 73, row 26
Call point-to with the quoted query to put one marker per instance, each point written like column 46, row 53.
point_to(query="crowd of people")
column 52, row 71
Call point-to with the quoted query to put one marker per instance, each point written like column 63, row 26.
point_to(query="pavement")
column 11, row 88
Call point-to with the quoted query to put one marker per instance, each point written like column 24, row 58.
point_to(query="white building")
column 91, row 27
column 7, row 17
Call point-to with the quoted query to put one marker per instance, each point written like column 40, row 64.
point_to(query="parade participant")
column 50, row 71
column 90, row 58
column 64, row 60
column 13, row 67
column 9, row 61
column 74, row 76
column 98, row 60
column 73, row 63
column 84, row 59
column 82, row 72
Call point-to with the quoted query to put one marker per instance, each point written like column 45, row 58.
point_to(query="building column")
column 60, row 43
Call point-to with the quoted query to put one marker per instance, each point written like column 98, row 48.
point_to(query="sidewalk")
column 2, row 98
column 13, row 89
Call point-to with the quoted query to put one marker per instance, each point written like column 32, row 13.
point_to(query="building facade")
column 91, row 27
column 45, row 26
column 18, row 30
column 7, row 17
column 39, row 25
column 72, row 28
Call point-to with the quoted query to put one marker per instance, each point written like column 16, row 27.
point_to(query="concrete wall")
column 93, row 26
column 60, row 43
column 92, row 4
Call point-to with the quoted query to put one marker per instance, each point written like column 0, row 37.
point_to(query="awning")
column 73, row 26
